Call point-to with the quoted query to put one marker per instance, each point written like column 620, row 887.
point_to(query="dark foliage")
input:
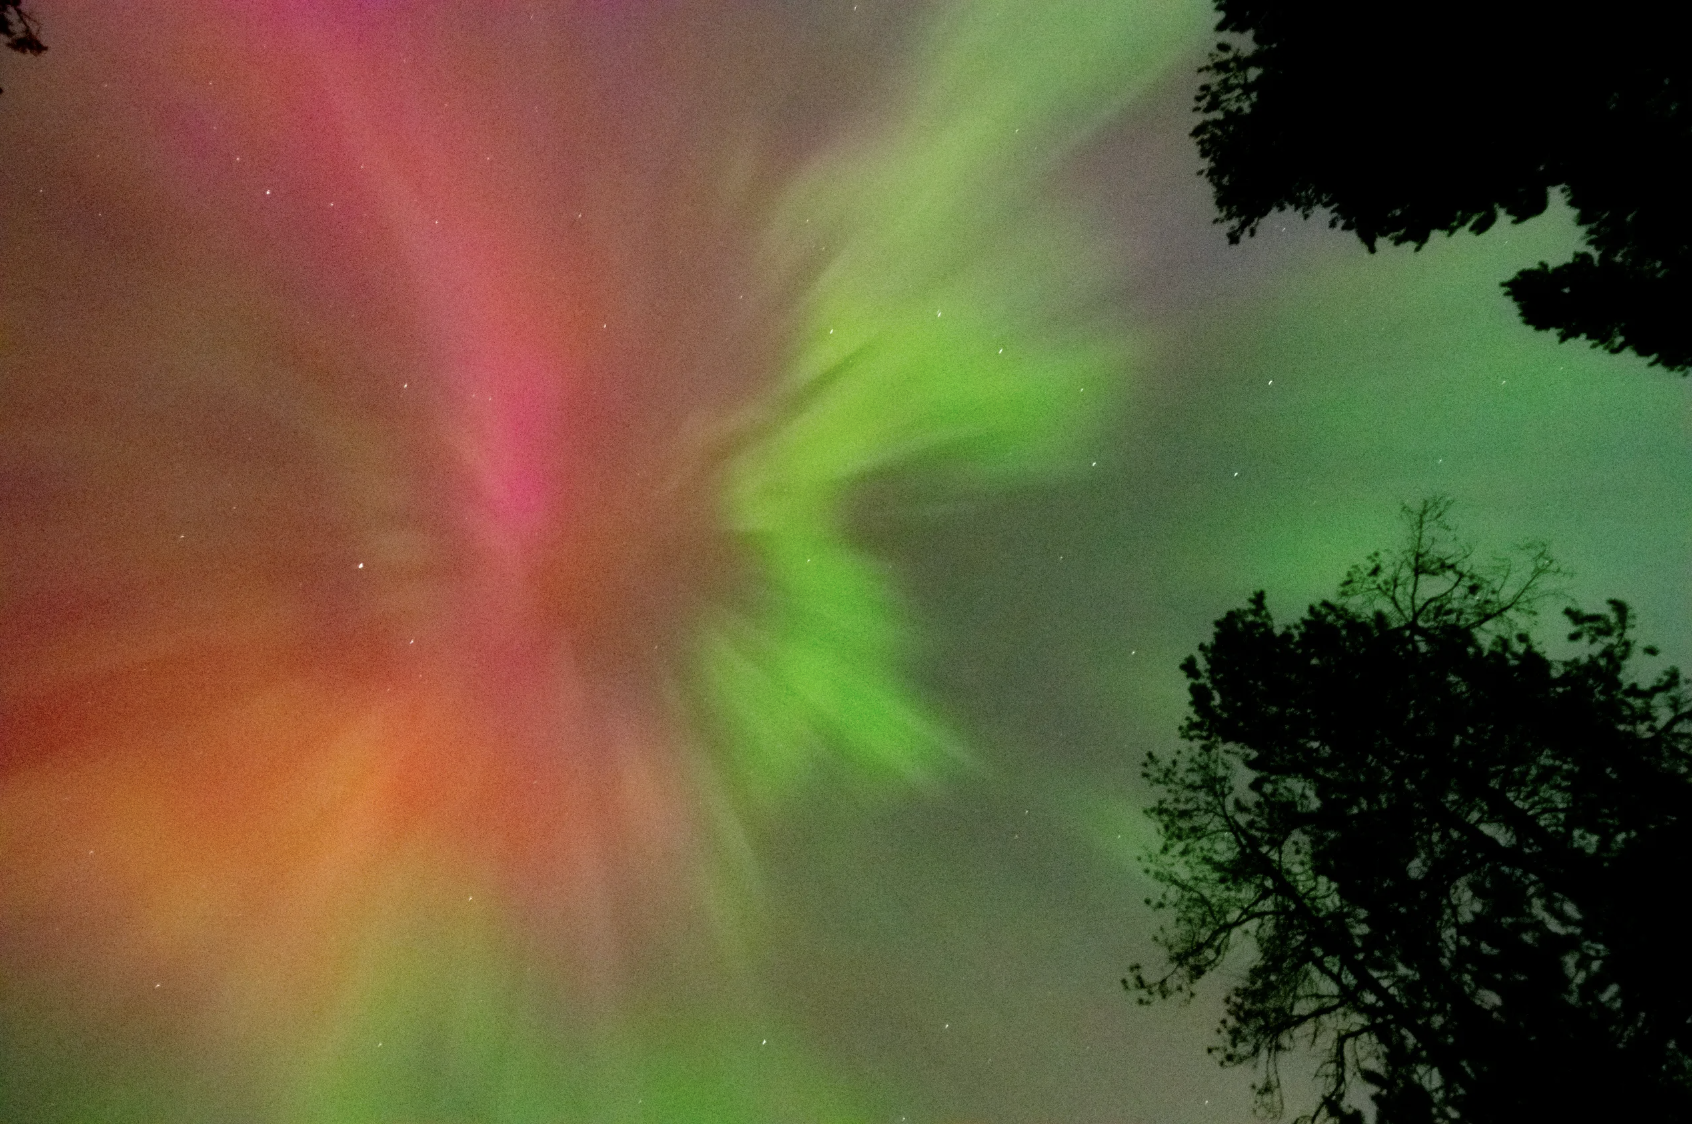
column 17, row 28
column 1404, row 120
column 1450, row 864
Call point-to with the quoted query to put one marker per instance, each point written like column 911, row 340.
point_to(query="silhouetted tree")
column 1404, row 120
column 18, row 29
column 1448, row 863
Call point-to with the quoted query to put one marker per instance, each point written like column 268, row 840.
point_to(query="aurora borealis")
column 615, row 560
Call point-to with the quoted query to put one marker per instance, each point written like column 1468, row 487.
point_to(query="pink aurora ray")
column 390, row 481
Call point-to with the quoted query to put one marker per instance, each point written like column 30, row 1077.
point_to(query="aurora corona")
column 450, row 553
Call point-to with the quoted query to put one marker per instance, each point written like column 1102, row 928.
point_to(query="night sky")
column 616, row 561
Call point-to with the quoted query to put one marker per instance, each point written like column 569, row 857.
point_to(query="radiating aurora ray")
column 946, row 331
column 421, row 451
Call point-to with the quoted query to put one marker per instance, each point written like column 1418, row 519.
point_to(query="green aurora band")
column 950, row 331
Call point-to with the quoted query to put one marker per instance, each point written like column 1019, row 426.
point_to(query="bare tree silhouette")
column 1445, row 855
